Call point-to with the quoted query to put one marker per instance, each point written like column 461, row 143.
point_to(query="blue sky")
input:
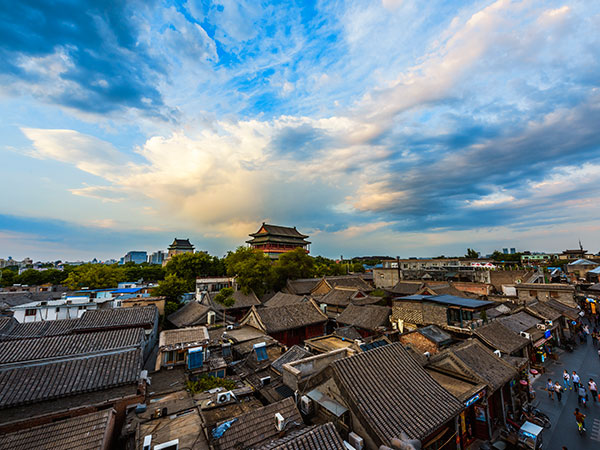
column 396, row 127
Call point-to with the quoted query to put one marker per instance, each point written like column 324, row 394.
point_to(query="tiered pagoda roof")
column 278, row 234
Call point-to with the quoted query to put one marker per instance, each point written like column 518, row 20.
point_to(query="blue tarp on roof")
column 126, row 290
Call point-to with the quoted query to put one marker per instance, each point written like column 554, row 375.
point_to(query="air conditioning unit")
column 210, row 317
column 305, row 405
column 541, row 326
column 525, row 335
column 229, row 327
column 279, row 422
column 265, row 380
column 171, row 445
column 356, row 441
column 323, row 307
column 147, row 442
column 223, row 397
column 498, row 353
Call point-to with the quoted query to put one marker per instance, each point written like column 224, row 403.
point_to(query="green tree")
column 93, row 276
column 293, row 265
column 54, row 276
column 225, row 297
column 8, row 277
column 472, row 254
column 188, row 266
column 172, row 287
column 254, row 270
column 31, row 277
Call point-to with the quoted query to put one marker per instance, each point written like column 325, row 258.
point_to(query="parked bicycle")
column 533, row 414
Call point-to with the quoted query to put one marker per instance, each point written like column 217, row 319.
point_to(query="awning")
column 329, row 404
column 542, row 341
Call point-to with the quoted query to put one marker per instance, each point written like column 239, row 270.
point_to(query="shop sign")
column 476, row 397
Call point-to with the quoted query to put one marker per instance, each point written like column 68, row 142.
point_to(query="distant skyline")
column 396, row 127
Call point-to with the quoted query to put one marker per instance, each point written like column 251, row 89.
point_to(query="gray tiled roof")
column 138, row 316
column 322, row 437
column 391, row 393
column 87, row 432
column 353, row 281
column 241, row 301
column 500, row 337
column 302, row 286
column 282, row 298
column 543, row 310
column 256, row 428
column 480, row 362
column 518, row 322
column 24, row 350
column 45, row 328
column 32, row 384
column 369, row 317
column 288, row 317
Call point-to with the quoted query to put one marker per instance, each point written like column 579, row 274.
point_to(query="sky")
column 390, row 127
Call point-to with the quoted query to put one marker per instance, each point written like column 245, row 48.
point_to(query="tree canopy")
column 172, row 287
column 225, row 297
column 254, row 270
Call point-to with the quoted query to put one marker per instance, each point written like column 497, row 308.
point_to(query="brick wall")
column 385, row 278
column 419, row 313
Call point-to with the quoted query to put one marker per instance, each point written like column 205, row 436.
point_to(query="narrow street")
column 585, row 361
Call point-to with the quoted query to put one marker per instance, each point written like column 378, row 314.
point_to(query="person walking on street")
column 593, row 389
column 558, row 389
column 576, row 380
column 581, row 395
column 550, row 388
column 567, row 378
column 580, row 418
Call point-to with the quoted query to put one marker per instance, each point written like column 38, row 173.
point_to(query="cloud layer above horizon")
column 400, row 127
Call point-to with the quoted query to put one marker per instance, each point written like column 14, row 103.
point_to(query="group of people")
column 571, row 382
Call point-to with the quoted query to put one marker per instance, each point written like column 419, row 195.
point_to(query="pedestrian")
column 558, row 389
column 580, row 418
column 576, row 380
column 567, row 377
column 550, row 388
column 593, row 389
column 581, row 395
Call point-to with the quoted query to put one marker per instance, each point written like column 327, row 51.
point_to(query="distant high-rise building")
column 137, row 257
column 505, row 251
column 157, row 257
column 513, row 250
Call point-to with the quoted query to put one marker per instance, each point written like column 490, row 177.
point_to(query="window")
column 195, row 358
column 30, row 312
column 532, row 293
column 261, row 351
column 553, row 294
column 57, row 310
column 226, row 349
column 170, row 357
